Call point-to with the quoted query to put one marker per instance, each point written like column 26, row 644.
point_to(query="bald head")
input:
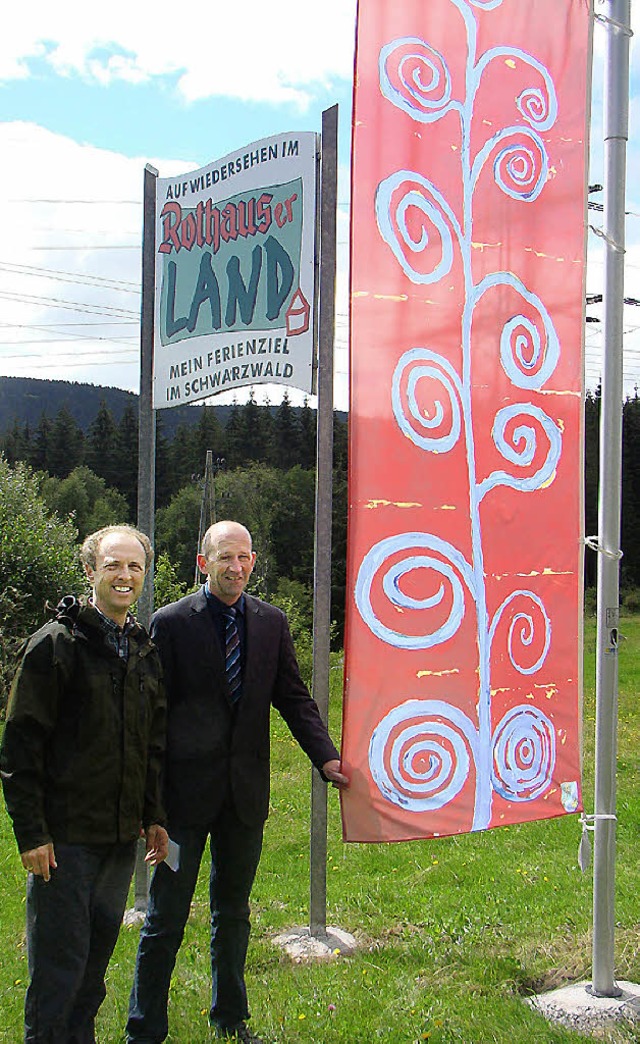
column 227, row 558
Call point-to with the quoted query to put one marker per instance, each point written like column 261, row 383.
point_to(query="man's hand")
column 332, row 771
column 157, row 844
column 40, row 861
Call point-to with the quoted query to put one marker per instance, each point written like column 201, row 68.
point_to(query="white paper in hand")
column 173, row 856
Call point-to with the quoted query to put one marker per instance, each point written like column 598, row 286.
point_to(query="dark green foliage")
column 166, row 585
column 38, row 450
column 103, row 446
column 128, row 457
column 293, row 528
column 86, row 500
column 286, row 437
column 38, row 562
column 208, row 435
column 177, row 531
column 591, row 478
column 66, row 444
column 180, row 462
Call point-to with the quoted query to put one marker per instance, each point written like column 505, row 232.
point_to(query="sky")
column 91, row 93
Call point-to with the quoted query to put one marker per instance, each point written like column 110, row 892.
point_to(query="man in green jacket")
column 80, row 762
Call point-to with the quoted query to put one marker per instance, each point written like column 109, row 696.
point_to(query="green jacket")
column 84, row 741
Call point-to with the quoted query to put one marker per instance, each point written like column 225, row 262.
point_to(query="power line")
column 56, row 302
column 87, row 202
column 123, row 285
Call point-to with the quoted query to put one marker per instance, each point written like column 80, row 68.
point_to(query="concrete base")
column 133, row 916
column 302, row 946
column 576, row 1008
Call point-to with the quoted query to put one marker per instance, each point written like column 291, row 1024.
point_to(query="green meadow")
column 453, row 933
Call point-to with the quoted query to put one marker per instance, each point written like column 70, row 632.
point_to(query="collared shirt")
column 218, row 610
column 115, row 637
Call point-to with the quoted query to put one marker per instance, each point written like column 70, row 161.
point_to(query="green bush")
column 166, row 585
column 631, row 600
column 38, row 562
column 85, row 499
column 590, row 601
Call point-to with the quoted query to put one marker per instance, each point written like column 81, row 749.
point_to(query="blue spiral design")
column 520, row 163
column 524, row 754
column 435, row 555
column 537, row 104
column 522, row 448
column 440, row 431
column 420, row 754
column 415, row 78
column 399, row 195
column 522, row 629
column 529, row 344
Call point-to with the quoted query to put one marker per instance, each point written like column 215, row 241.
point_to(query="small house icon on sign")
column 297, row 314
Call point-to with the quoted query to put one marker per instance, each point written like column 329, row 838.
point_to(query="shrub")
column 38, row 562
column 631, row 600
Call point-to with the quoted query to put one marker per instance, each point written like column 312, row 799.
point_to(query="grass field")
column 453, row 932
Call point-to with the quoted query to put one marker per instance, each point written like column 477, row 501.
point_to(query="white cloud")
column 246, row 50
column 70, row 258
column 245, row 55
column 70, row 263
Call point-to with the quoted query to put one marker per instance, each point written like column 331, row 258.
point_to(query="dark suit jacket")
column 216, row 752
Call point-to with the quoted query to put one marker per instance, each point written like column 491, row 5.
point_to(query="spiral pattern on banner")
column 525, row 356
column 440, row 613
column 415, row 221
column 534, row 104
column 527, row 626
column 520, row 445
column 415, row 78
column 520, row 168
column 529, row 344
column 524, row 754
column 537, row 103
column 437, row 430
column 420, row 754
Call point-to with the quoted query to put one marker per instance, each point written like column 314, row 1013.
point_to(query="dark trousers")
column 235, row 854
column 73, row 922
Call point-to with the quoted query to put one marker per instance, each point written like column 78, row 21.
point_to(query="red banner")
column 464, row 572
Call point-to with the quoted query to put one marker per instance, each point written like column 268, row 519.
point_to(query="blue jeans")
column 235, row 854
column 73, row 922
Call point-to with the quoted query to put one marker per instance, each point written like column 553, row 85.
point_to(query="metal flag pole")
column 146, row 447
column 324, row 490
column 616, row 122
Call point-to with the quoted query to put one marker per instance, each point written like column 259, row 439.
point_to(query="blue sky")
column 89, row 94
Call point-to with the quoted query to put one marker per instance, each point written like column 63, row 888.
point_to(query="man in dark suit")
column 227, row 658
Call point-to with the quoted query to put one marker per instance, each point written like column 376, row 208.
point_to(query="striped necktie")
column 232, row 654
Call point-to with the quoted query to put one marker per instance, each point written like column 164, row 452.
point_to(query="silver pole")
column 146, row 446
column 324, row 497
column 616, row 121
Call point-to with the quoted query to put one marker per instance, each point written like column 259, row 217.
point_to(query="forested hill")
column 25, row 399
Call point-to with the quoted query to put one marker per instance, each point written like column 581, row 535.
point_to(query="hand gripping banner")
column 464, row 573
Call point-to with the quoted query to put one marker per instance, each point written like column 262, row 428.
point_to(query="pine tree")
column 103, row 450
column 307, row 422
column 182, row 461
column 209, row 435
column 284, row 448
column 66, row 444
column 40, row 445
column 128, row 456
column 15, row 442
